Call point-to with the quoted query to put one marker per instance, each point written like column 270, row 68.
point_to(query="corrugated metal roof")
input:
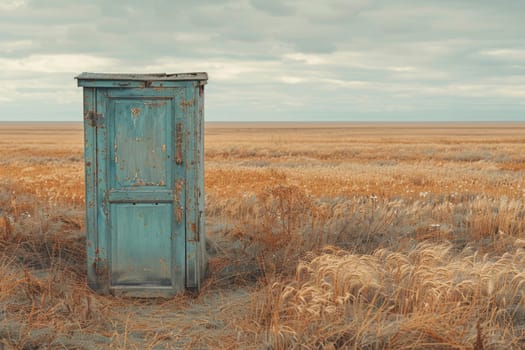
column 144, row 77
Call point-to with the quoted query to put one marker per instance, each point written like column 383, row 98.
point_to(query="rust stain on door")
column 177, row 199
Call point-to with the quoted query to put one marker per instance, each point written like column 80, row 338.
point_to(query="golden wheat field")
column 320, row 236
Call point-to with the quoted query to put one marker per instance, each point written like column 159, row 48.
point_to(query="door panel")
column 141, row 151
column 139, row 251
column 137, row 146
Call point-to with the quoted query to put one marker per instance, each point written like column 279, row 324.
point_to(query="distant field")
column 321, row 235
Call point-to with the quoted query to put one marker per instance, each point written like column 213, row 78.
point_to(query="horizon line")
column 302, row 121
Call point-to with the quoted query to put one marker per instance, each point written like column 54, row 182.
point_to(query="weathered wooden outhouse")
column 144, row 163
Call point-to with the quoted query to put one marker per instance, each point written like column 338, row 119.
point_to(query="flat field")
column 320, row 236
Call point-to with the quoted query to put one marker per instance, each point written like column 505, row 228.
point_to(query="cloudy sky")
column 340, row 60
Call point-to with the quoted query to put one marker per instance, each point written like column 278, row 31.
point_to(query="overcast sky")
column 275, row 59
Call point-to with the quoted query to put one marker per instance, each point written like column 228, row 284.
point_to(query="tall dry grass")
column 360, row 237
column 428, row 297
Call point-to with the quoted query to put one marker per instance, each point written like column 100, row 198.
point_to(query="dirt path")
column 185, row 322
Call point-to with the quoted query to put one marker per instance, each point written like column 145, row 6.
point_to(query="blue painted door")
column 141, row 187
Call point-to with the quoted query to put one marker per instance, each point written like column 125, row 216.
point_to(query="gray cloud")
column 296, row 60
column 274, row 7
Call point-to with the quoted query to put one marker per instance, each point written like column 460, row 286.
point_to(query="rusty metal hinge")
column 178, row 144
column 197, row 234
column 100, row 267
column 178, row 208
column 95, row 119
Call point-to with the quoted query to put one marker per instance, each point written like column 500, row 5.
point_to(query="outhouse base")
column 143, row 291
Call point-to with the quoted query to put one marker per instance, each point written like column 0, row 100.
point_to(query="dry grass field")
column 320, row 236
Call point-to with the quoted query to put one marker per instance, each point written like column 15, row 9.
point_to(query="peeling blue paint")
column 144, row 182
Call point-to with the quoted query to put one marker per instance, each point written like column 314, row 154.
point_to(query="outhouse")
column 144, row 173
